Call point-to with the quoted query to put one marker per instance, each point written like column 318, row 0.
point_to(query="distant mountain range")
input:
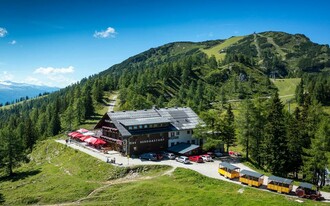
column 10, row 91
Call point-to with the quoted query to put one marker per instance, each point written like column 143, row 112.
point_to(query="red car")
column 196, row 158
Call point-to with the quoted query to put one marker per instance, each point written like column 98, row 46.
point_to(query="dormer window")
column 130, row 127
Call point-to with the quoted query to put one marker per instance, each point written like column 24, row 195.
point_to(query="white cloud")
column 13, row 42
column 50, row 76
column 109, row 32
column 52, row 70
column 5, row 76
column 33, row 80
column 50, row 80
column 3, row 32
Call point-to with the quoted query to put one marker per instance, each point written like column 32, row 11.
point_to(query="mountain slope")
column 217, row 70
column 10, row 91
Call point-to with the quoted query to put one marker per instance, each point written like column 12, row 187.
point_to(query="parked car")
column 149, row 156
column 183, row 159
column 211, row 154
column 217, row 153
column 234, row 154
column 207, row 158
column 159, row 156
column 196, row 158
column 168, row 155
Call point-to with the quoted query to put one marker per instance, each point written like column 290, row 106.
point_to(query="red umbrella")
column 83, row 138
column 71, row 133
column 90, row 140
column 77, row 135
column 99, row 141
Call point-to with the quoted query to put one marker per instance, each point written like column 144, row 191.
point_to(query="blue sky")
column 59, row 42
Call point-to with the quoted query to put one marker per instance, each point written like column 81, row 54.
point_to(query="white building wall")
column 182, row 136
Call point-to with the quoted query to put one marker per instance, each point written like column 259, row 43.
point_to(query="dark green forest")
column 180, row 74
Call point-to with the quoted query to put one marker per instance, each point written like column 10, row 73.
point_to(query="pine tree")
column 300, row 93
column 295, row 143
column 97, row 91
column 11, row 147
column 275, row 149
column 316, row 161
column 88, row 102
column 228, row 130
column 29, row 134
column 245, row 124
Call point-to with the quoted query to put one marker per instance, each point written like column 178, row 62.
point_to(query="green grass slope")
column 57, row 174
column 286, row 87
column 186, row 187
column 215, row 50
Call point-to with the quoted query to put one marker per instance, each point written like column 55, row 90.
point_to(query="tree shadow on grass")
column 2, row 199
column 19, row 176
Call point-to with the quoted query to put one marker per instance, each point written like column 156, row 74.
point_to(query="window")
column 146, row 126
column 172, row 144
column 135, row 127
column 130, row 127
column 193, row 141
column 140, row 126
column 172, row 134
column 188, row 141
column 177, row 133
column 188, row 131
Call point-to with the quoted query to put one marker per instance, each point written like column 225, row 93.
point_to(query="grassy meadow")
column 186, row 187
column 57, row 174
column 216, row 49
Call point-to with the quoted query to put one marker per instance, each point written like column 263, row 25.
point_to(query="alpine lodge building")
column 150, row 130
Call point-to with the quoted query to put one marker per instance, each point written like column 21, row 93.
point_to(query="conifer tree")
column 245, row 124
column 228, row 130
column 316, row 161
column 11, row 147
column 275, row 149
column 295, row 143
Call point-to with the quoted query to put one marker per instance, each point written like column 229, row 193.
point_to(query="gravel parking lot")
column 209, row 169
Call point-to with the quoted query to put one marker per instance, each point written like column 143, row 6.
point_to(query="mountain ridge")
column 12, row 91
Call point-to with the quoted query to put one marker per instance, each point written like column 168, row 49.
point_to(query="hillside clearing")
column 58, row 174
column 216, row 49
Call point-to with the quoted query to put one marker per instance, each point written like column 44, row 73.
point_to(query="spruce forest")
column 229, row 83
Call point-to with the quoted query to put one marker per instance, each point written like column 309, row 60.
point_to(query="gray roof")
column 306, row 185
column 228, row 166
column 280, row 179
column 142, row 121
column 182, row 148
column 251, row 174
column 180, row 118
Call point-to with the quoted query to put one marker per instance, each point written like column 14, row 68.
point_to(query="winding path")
column 112, row 103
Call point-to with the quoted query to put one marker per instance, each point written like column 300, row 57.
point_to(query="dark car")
column 149, row 156
column 159, row 156
column 168, row 155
